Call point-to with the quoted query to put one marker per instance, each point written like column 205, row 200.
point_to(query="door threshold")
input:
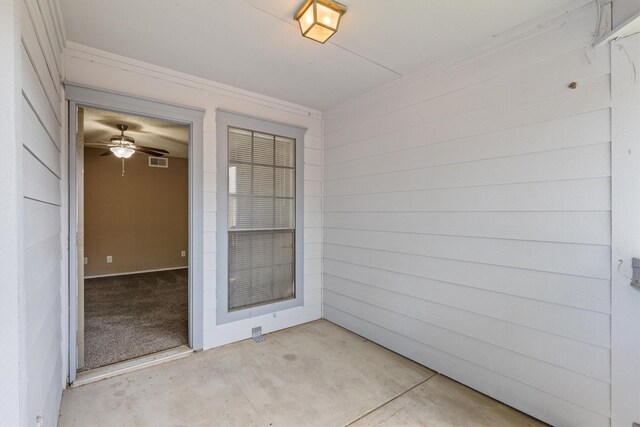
column 127, row 366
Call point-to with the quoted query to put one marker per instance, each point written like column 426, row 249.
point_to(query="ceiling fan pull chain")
column 123, row 166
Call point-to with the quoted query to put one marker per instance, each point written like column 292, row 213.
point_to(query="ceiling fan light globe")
column 122, row 152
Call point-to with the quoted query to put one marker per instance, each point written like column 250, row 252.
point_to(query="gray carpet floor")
column 134, row 315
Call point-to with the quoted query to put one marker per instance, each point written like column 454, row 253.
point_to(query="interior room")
column 320, row 213
column 135, row 226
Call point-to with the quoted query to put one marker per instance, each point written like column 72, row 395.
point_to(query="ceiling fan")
column 124, row 146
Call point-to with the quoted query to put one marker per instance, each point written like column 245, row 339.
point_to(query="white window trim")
column 224, row 119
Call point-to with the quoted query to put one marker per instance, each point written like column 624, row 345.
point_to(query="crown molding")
column 86, row 53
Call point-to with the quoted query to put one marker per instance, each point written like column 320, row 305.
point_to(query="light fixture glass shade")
column 307, row 20
column 122, row 152
column 327, row 16
column 319, row 19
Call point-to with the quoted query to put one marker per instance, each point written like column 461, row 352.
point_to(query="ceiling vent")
column 158, row 162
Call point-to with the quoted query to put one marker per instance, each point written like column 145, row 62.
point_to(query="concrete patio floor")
column 316, row 374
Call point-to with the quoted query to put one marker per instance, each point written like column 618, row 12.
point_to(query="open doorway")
column 80, row 99
column 133, row 211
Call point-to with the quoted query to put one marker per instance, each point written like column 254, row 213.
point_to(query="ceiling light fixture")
column 122, row 152
column 122, row 145
column 319, row 19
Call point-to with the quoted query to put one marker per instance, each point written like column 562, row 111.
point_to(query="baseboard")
column 135, row 272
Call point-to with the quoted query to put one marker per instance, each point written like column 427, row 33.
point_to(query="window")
column 260, row 217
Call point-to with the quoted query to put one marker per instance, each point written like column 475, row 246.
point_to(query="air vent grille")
column 158, row 162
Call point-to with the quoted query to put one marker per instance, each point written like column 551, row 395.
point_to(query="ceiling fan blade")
column 149, row 152
column 153, row 149
column 107, row 153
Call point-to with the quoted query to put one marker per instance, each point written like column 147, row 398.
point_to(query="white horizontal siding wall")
column 41, row 109
column 91, row 67
column 467, row 220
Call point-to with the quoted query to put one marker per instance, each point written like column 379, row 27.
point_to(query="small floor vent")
column 158, row 162
column 256, row 334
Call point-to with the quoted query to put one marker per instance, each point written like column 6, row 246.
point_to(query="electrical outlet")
column 183, row 253
column 109, row 259
column 86, row 260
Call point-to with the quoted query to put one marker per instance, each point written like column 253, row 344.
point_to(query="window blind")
column 261, row 218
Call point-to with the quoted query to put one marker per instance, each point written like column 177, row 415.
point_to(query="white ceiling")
column 256, row 45
column 100, row 125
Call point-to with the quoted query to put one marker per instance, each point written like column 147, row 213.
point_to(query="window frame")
column 224, row 120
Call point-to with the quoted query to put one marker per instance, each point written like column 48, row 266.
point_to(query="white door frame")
column 79, row 233
column 625, row 230
column 82, row 96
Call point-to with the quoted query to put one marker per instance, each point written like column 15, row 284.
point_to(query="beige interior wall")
column 140, row 219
